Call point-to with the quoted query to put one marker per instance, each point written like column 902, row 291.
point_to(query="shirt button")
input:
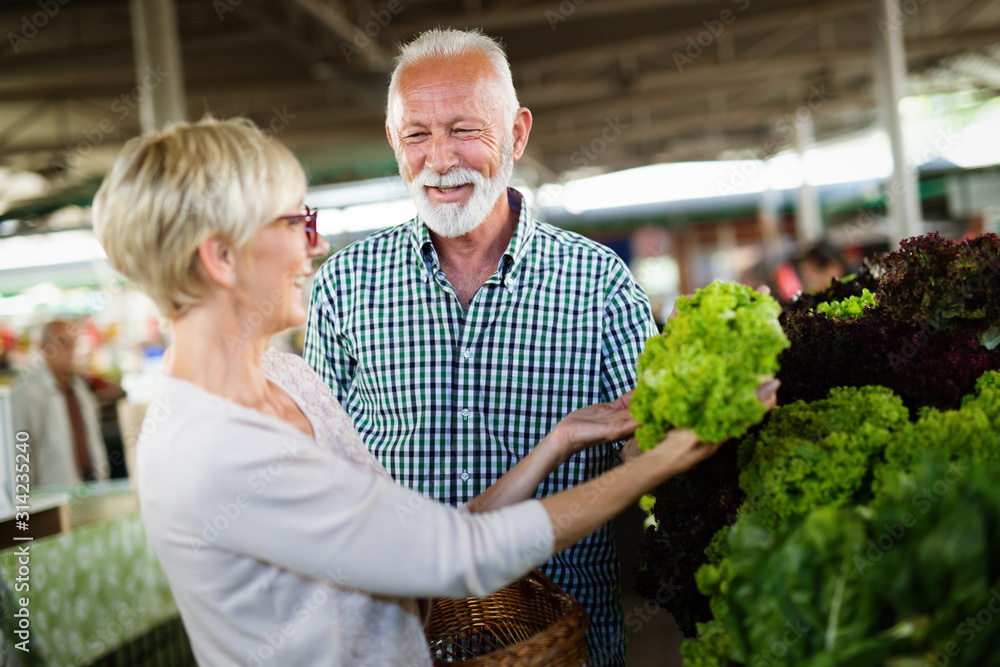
column 465, row 413
column 440, row 275
column 464, row 476
column 467, row 353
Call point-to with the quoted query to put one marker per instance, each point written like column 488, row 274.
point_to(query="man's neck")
column 469, row 260
column 62, row 376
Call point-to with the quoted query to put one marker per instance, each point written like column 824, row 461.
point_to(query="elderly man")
column 458, row 339
column 58, row 411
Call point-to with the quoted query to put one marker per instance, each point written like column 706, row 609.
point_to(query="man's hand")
column 767, row 393
column 593, row 425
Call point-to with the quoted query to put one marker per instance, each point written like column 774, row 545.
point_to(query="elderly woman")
column 282, row 537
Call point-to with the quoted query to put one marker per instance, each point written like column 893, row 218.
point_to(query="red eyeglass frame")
column 309, row 217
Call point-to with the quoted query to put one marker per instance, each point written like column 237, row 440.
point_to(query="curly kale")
column 703, row 372
column 711, row 649
column 840, row 450
column 987, row 390
column 866, row 278
column 935, row 330
column 872, row 459
column 971, row 433
column 923, row 365
column 851, row 306
column 898, row 584
column 943, row 283
column 814, row 454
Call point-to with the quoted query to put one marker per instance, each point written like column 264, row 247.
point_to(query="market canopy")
column 612, row 84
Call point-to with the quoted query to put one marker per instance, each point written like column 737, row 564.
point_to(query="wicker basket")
column 531, row 622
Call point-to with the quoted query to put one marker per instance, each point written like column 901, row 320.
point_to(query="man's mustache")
column 450, row 179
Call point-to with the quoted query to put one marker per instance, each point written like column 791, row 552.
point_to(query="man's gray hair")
column 449, row 44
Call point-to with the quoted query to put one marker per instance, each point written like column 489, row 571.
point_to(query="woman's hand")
column 580, row 510
column 586, row 427
column 593, row 425
column 681, row 449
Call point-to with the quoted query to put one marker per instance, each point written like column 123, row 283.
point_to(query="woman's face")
column 270, row 286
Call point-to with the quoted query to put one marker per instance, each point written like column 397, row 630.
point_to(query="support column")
column 889, row 55
column 768, row 226
column 808, row 219
column 158, row 71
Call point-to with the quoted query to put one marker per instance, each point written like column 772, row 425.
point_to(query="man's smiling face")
column 454, row 150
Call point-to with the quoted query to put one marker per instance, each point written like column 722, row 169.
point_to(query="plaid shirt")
column 450, row 399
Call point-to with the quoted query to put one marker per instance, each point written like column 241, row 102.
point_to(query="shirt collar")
column 512, row 257
column 47, row 377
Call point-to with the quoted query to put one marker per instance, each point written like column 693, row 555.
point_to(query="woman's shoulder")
column 294, row 373
column 334, row 428
column 275, row 360
column 182, row 413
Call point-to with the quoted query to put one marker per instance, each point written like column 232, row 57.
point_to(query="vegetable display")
column 814, row 454
column 911, row 581
column 703, row 372
column 872, row 447
column 931, row 334
column 867, row 395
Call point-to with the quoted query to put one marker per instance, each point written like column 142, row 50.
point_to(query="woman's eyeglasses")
column 309, row 219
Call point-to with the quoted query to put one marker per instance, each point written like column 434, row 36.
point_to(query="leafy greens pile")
column 907, row 582
column 932, row 331
column 851, row 306
column 703, row 372
column 814, row 454
column 911, row 359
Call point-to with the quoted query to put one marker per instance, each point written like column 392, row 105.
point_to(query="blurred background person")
column 56, row 407
column 819, row 265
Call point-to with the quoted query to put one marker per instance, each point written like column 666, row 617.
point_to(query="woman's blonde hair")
column 168, row 192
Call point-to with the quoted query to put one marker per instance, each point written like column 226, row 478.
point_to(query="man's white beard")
column 456, row 219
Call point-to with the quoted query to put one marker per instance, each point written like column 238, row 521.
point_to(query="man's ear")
column 218, row 259
column 388, row 135
column 522, row 128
